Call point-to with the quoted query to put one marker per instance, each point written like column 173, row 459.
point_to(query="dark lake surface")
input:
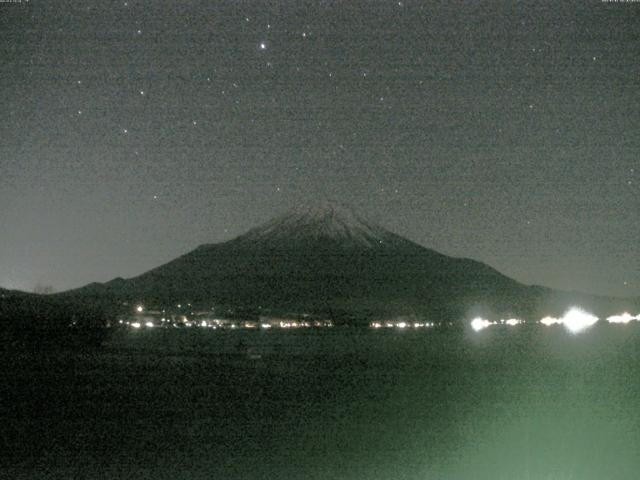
column 504, row 403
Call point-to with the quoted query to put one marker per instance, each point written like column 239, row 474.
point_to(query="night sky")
column 508, row 132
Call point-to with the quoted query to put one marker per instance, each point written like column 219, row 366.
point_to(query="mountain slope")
column 328, row 260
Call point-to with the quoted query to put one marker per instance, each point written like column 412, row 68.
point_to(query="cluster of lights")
column 401, row 325
column 225, row 324
column 548, row 321
column 575, row 320
column 624, row 318
column 480, row 323
column 298, row 324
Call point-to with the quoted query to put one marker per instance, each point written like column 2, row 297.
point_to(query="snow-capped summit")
column 326, row 221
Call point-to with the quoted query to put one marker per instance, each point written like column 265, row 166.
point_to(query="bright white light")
column 547, row 321
column 263, row 46
column 576, row 320
column 626, row 317
column 139, row 309
column 402, row 325
column 376, row 325
column 149, row 324
column 203, row 323
column 265, row 325
column 479, row 323
column 513, row 321
column 135, row 324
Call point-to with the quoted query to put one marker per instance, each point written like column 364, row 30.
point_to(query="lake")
column 524, row 402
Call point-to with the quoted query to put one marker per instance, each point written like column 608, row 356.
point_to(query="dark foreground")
column 519, row 403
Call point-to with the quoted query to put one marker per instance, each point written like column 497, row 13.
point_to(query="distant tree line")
column 36, row 322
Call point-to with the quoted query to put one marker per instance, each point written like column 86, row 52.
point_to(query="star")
column 125, row 131
column 141, row 92
column 263, row 46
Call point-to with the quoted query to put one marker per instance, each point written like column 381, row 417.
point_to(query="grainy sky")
column 508, row 132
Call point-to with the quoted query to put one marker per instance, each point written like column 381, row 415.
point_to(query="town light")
column 479, row 323
column 624, row 318
column 576, row 320
column 547, row 321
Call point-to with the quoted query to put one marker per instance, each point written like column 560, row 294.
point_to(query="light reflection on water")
column 345, row 403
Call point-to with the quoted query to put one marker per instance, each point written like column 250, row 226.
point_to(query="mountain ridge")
column 328, row 260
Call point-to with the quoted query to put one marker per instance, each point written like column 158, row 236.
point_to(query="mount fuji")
column 328, row 260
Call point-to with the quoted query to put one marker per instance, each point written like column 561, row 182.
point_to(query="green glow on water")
column 505, row 403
